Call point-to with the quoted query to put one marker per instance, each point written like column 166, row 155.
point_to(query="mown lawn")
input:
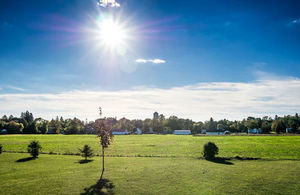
column 62, row 174
column 153, row 164
column 268, row 147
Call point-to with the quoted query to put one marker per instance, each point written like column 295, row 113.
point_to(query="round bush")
column 210, row 150
column 34, row 148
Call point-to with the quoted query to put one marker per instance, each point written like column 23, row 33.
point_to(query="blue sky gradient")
column 45, row 47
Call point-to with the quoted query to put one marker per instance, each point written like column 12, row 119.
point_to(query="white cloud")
column 198, row 101
column 108, row 3
column 158, row 61
column 154, row 61
column 141, row 61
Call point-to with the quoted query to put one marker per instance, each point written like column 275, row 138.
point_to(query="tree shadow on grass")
column 25, row 159
column 246, row 158
column 221, row 160
column 84, row 161
column 102, row 187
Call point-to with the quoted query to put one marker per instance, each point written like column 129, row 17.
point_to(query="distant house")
column 138, row 131
column 182, row 132
column 289, row 130
column 3, row 131
column 165, row 131
column 227, row 132
column 151, row 130
column 50, row 131
column 120, row 132
column 254, row 131
column 213, row 132
column 90, row 130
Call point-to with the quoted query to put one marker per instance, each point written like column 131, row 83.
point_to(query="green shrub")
column 34, row 148
column 86, row 152
column 210, row 150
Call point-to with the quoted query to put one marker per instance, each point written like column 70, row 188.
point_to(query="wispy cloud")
column 108, row 3
column 154, row 61
column 198, row 101
column 258, row 70
column 295, row 22
column 15, row 88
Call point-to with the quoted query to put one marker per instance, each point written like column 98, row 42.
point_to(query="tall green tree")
column 55, row 126
column 278, row 126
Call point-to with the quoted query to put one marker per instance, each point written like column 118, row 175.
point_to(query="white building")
column 213, row 132
column 182, row 132
column 3, row 131
column 120, row 132
column 254, row 131
column 151, row 130
column 138, row 131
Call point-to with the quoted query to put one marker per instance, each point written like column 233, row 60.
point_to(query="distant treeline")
column 27, row 124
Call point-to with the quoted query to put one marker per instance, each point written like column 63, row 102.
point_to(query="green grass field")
column 153, row 164
column 269, row 147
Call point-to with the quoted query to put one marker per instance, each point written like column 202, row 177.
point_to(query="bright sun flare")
column 111, row 33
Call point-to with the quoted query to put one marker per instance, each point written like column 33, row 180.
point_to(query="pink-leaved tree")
column 103, row 127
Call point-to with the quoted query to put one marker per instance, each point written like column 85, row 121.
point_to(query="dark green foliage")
column 278, row 126
column 31, row 129
column 14, row 128
column 27, row 116
column 86, row 152
column 26, row 124
column 210, row 150
column 56, row 126
column 27, row 120
column 4, row 118
column 34, row 148
column 0, row 148
column 211, row 124
column 73, row 126
column 41, row 125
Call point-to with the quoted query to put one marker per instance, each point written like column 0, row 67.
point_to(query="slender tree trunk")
column 102, row 163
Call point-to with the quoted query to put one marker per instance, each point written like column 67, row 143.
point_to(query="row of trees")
column 27, row 124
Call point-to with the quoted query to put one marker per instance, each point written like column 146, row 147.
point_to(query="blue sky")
column 47, row 49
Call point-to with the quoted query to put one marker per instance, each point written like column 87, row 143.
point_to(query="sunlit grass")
column 62, row 174
column 269, row 147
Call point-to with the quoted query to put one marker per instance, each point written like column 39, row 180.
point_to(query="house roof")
column 181, row 131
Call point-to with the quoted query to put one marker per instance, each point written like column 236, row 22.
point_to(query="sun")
column 111, row 33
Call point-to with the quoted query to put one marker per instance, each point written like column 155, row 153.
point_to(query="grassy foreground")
column 62, row 174
column 269, row 147
column 153, row 164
